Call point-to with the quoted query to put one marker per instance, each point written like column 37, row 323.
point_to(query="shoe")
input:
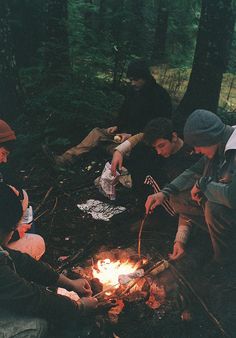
column 57, row 162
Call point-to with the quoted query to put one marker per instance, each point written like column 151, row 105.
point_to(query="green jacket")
column 216, row 177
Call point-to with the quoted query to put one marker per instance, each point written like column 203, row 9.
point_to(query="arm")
column 221, row 193
column 122, row 150
column 186, row 180
column 80, row 286
column 25, row 297
column 129, row 144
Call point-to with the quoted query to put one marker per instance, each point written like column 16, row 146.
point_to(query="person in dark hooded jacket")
column 144, row 101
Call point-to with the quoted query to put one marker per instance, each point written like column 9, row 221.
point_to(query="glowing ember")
column 108, row 272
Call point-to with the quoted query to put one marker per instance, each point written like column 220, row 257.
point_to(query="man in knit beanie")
column 205, row 193
column 32, row 244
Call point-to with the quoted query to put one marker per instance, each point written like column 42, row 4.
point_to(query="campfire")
column 123, row 277
column 139, row 292
column 113, row 274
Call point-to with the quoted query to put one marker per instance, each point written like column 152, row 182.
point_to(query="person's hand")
column 81, row 286
column 116, row 163
column 23, row 228
column 178, row 251
column 89, row 304
column 123, row 137
column 112, row 130
column 196, row 194
column 153, row 201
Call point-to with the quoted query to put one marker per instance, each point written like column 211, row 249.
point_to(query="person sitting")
column 204, row 195
column 30, row 243
column 162, row 155
column 27, row 306
column 144, row 101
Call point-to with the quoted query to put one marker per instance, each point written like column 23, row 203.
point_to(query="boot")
column 56, row 161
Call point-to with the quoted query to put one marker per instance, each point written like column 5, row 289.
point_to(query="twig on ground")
column 40, row 215
column 44, row 199
column 54, row 206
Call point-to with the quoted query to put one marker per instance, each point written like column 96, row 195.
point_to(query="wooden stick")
column 42, row 213
column 140, row 234
column 187, row 285
column 155, row 266
column 104, row 291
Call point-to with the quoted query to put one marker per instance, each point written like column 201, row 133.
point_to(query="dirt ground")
column 67, row 231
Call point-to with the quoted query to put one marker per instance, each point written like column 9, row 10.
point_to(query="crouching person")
column 26, row 304
column 205, row 194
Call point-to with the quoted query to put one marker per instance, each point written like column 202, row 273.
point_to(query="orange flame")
column 108, row 272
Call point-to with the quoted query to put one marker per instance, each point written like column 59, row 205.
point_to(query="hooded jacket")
column 141, row 106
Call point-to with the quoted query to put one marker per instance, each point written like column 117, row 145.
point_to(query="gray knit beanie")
column 203, row 129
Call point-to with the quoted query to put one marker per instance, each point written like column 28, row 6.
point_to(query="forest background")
column 63, row 62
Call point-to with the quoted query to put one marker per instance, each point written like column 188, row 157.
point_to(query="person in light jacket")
column 205, row 194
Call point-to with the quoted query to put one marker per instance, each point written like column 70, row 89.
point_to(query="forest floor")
column 208, row 297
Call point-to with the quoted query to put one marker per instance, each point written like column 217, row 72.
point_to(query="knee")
column 213, row 211
column 40, row 246
column 96, row 131
column 41, row 328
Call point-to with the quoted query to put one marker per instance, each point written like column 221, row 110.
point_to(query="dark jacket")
column 23, row 283
column 139, row 107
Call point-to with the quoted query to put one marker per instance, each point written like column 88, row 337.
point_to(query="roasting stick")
column 140, row 233
column 160, row 266
column 104, row 291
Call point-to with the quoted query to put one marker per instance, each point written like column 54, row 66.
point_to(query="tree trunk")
column 9, row 102
column 57, row 60
column 159, row 49
column 102, row 20
column 210, row 59
column 136, row 28
column 117, row 30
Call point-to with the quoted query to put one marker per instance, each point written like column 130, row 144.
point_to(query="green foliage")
column 103, row 36
column 68, row 110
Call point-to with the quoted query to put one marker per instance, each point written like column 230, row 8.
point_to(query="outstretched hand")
column 178, row 251
column 82, row 287
column 116, row 163
column 112, row 130
column 123, row 137
column 153, row 201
